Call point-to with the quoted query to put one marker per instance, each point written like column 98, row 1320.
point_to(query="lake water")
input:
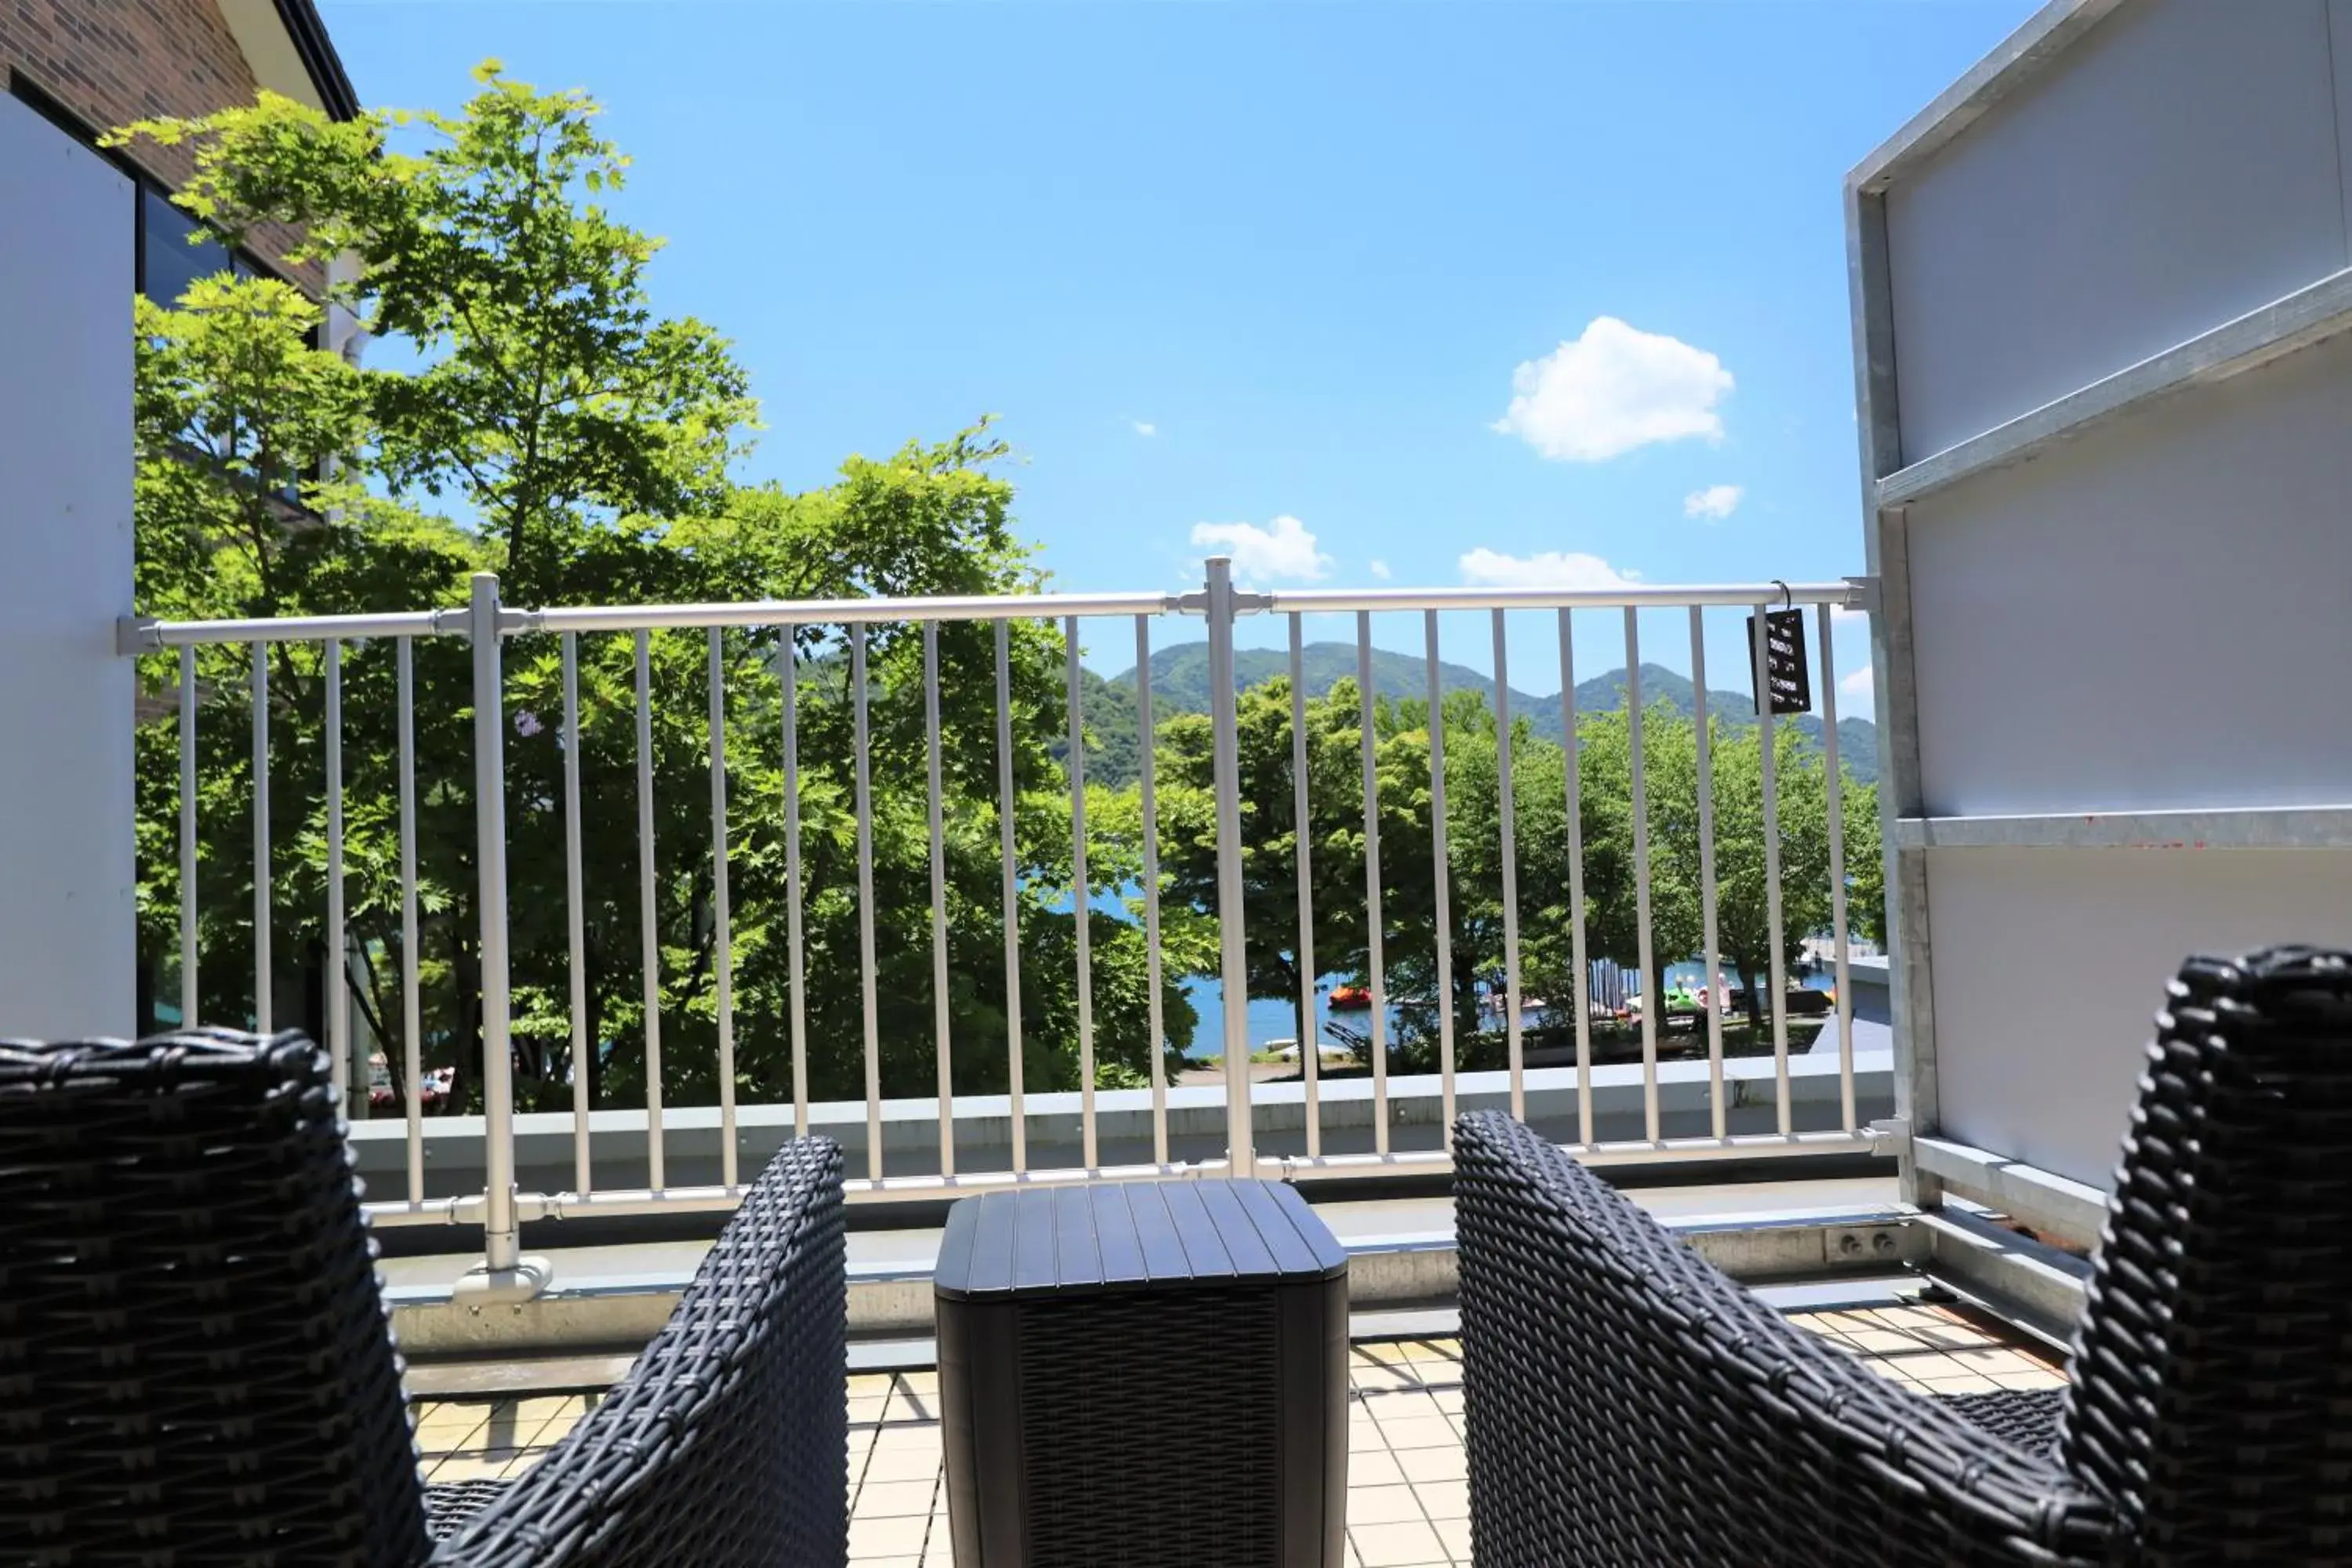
column 1271, row 1019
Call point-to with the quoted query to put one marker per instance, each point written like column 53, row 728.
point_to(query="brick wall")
column 108, row 62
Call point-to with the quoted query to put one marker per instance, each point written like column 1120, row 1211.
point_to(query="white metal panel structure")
column 67, row 959
column 2101, row 315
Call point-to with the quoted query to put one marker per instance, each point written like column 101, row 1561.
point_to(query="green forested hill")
column 1180, row 684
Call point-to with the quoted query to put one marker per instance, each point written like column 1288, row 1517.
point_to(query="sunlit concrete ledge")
column 1402, row 1256
column 983, row 1126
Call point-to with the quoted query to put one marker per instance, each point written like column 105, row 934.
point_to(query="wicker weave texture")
column 1112, row 1390
column 727, row 1446
column 195, row 1366
column 2212, row 1392
column 1628, row 1405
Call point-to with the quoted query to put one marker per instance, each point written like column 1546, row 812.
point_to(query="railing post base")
column 484, row 1286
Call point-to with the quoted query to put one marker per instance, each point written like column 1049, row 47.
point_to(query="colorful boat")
column 1350, row 999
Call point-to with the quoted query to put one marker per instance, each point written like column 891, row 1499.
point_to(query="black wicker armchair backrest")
column 726, row 1446
column 195, row 1367
column 2212, row 1390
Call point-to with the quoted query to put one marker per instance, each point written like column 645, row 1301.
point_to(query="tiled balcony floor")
column 1408, row 1503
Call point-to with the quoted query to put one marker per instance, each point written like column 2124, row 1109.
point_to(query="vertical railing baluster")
column 1012, row 894
column 934, row 794
column 577, row 920
column 262, row 998
column 1512, row 1033
column 1156, row 1009
column 412, row 1005
column 792, row 898
column 1767, row 734
column 869, row 1002
column 1081, row 893
column 1652, row 1004
column 649, row 933
column 723, row 935
column 501, row 1236
column 1442, row 871
column 338, row 1003
column 1582, row 981
column 1369, row 743
column 1310, row 1038
column 1702, row 740
column 188, row 835
column 1233, row 965
column 1834, row 783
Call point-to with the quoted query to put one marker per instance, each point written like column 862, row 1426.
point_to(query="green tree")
column 586, row 443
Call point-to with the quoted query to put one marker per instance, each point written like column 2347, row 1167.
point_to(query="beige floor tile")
column 907, row 1435
column 1434, row 1351
column 1388, row 1353
column 870, row 1538
column 1363, row 1433
column 867, row 1409
column 558, row 1428
column 1401, row 1406
column 1375, row 1467
column 921, row 1382
column 1454, row 1534
column 1403, row 1545
column 913, row 1464
column 1443, row 1500
column 488, row 1467
column 547, row 1406
column 1432, row 1464
column 1367, row 1375
column 2041, row 1377
column 1381, row 1505
column 441, row 1419
column 905, row 1405
column 863, row 1384
column 895, row 1500
column 1430, row 1432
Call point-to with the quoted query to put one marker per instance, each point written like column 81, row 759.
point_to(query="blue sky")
column 1414, row 293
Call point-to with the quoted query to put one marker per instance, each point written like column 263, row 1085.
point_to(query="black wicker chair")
column 195, row 1368
column 1626, row 1404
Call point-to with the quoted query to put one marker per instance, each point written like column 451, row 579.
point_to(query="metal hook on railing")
column 1788, row 598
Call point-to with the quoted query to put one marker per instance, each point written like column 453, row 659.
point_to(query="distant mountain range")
column 1180, row 684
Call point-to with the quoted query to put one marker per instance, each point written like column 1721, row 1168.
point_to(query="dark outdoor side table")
column 1148, row 1374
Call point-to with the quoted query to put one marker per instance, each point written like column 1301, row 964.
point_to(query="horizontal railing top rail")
column 486, row 622
column 142, row 635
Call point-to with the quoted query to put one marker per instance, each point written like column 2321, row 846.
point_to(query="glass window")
column 167, row 262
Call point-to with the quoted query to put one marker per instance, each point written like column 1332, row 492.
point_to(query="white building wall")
column 68, row 937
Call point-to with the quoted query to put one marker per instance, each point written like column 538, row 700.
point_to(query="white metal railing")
column 487, row 623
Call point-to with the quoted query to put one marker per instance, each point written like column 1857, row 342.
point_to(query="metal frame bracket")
column 135, row 635
column 1891, row 1136
column 1865, row 595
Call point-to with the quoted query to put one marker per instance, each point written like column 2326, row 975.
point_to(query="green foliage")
column 1541, row 846
column 588, row 442
column 1180, row 684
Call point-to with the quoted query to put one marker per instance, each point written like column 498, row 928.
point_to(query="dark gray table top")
column 1120, row 1235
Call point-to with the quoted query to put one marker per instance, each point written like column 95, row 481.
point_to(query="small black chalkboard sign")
column 1785, row 671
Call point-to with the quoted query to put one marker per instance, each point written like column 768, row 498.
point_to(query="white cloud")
column 1714, row 503
column 1614, row 389
column 1379, row 569
column 1861, row 685
column 1553, row 569
column 1283, row 548
column 1144, row 427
